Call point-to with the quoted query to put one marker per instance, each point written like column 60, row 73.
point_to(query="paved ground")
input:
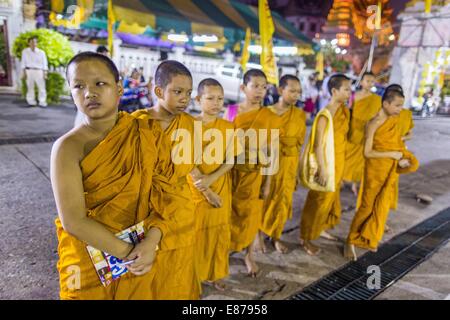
column 27, row 211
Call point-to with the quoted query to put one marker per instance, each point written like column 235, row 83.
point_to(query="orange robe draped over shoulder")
column 247, row 206
column 212, row 239
column 377, row 187
column 278, row 208
column 363, row 110
column 117, row 177
column 322, row 210
column 171, row 200
column 405, row 122
column 405, row 125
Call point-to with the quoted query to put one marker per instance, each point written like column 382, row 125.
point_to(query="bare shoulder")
column 70, row 145
column 375, row 122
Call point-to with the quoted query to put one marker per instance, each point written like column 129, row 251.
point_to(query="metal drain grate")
column 395, row 258
column 30, row 140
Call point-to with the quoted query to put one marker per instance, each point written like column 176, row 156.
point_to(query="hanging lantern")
column 343, row 39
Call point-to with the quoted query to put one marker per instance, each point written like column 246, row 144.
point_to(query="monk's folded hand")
column 204, row 182
column 404, row 163
column 143, row 254
column 396, row 155
column 213, row 198
column 322, row 176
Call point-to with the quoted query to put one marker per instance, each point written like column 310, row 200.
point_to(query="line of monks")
column 115, row 170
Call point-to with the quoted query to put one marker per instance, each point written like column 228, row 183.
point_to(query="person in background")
column 35, row 70
column 103, row 50
column 311, row 96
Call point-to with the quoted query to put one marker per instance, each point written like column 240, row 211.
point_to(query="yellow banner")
column 245, row 53
column 428, row 4
column 378, row 16
column 319, row 65
column 266, row 30
column 111, row 21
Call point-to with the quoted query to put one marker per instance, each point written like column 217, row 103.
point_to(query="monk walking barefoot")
column 386, row 157
column 278, row 207
column 322, row 210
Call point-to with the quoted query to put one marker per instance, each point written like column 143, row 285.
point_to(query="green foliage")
column 310, row 61
column 340, row 65
column 446, row 89
column 54, row 86
column 55, row 45
column 336, row 61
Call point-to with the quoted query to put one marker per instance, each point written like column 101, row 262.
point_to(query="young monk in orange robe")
column 322, row 210
column 279, row 205
column 101, row 174
column 365, row 107
column 212, row 240
column 405, row 125
column 177, row 277
column 386, row 157
column 249, row 190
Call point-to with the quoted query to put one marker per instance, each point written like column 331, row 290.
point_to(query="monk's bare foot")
column 388, row 229
column 259, row 243
column 355, row 189
column 349, row 252
column 252, row 267
column 280, row 246
column 310, row 249
column 374, row 250
column 328, row 236
column 218, row 285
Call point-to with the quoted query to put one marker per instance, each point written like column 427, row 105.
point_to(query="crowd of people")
column 115, row 170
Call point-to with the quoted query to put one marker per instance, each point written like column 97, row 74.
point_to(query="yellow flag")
column 266, row 30
column 245, row 53
column 378, row 17
column 111, row 21
column 319, row 65
column 428, row 4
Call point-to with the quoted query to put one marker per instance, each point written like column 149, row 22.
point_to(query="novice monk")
column 279, row 205
column 405, row 125
column 212, row 240
column 101, row 173
column 386, row 157
column 365, row 106
column 177, row 278
column 249, row 191
column 322, row 210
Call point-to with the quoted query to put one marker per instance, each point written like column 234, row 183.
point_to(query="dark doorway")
column 5, row 61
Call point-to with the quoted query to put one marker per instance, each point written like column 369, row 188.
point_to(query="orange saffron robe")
column 247, row 205
column 377, row 187
column 363, row 110
column 172, row 201
column 322, row 210
column 212, row 239
column 405, row 125
column 117, row 178
column 278, row 209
